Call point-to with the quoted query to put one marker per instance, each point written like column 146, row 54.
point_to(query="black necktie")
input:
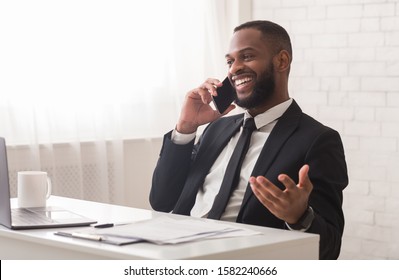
column 233, row 170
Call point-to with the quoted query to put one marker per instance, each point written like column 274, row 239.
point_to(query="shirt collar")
column 270, row 115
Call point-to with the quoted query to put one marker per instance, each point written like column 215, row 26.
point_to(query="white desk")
column 43, row 244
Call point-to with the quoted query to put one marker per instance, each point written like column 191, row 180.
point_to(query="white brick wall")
column 346, row 74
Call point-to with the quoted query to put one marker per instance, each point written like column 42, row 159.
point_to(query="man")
column 294, row 172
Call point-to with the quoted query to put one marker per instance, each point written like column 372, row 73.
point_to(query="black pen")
column 108, row 225
column 104, row 225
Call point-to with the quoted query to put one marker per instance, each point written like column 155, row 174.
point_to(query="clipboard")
column 103, row 238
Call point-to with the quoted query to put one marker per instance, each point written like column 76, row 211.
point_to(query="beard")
column 262, row 91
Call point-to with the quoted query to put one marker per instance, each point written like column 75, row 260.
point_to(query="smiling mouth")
column 240, row 83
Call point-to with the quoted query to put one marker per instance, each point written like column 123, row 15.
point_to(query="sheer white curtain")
column 80, row 77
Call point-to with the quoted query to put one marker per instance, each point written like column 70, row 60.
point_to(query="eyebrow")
column 241, row 51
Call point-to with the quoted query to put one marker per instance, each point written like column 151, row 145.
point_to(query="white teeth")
column 242, row 81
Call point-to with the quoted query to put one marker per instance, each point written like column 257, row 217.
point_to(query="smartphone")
column 226, row 95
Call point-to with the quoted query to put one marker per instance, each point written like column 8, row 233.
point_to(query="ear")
column 282, row 61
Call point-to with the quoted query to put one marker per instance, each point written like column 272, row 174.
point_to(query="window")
column 83, row 70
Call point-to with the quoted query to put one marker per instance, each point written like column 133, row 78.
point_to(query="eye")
column 229, row 62
column 248, row 56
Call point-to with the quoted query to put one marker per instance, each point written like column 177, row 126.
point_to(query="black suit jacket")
column 296, row 139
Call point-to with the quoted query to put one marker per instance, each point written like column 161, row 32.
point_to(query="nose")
column 236, row 67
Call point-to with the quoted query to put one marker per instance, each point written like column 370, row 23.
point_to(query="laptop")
column 32, row 218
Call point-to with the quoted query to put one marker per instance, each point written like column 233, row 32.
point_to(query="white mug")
column 34, row 188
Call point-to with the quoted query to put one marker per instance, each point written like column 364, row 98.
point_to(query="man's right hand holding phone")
column 196, row 110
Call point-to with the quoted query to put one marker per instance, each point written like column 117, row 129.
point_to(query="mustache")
column 243, row 72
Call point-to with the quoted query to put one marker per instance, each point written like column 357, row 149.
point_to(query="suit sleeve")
column 170, row 174
column 328, row 173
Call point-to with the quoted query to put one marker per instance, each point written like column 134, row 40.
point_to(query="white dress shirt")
column 265, row 122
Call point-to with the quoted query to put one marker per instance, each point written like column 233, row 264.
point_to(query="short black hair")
column 275, row 34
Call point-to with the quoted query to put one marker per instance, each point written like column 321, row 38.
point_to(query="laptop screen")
column 5, row 207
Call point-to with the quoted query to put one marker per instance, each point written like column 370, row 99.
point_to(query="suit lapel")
column 285, row 126
column 213, row 142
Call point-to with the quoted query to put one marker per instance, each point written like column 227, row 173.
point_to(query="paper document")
column 162, row 230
